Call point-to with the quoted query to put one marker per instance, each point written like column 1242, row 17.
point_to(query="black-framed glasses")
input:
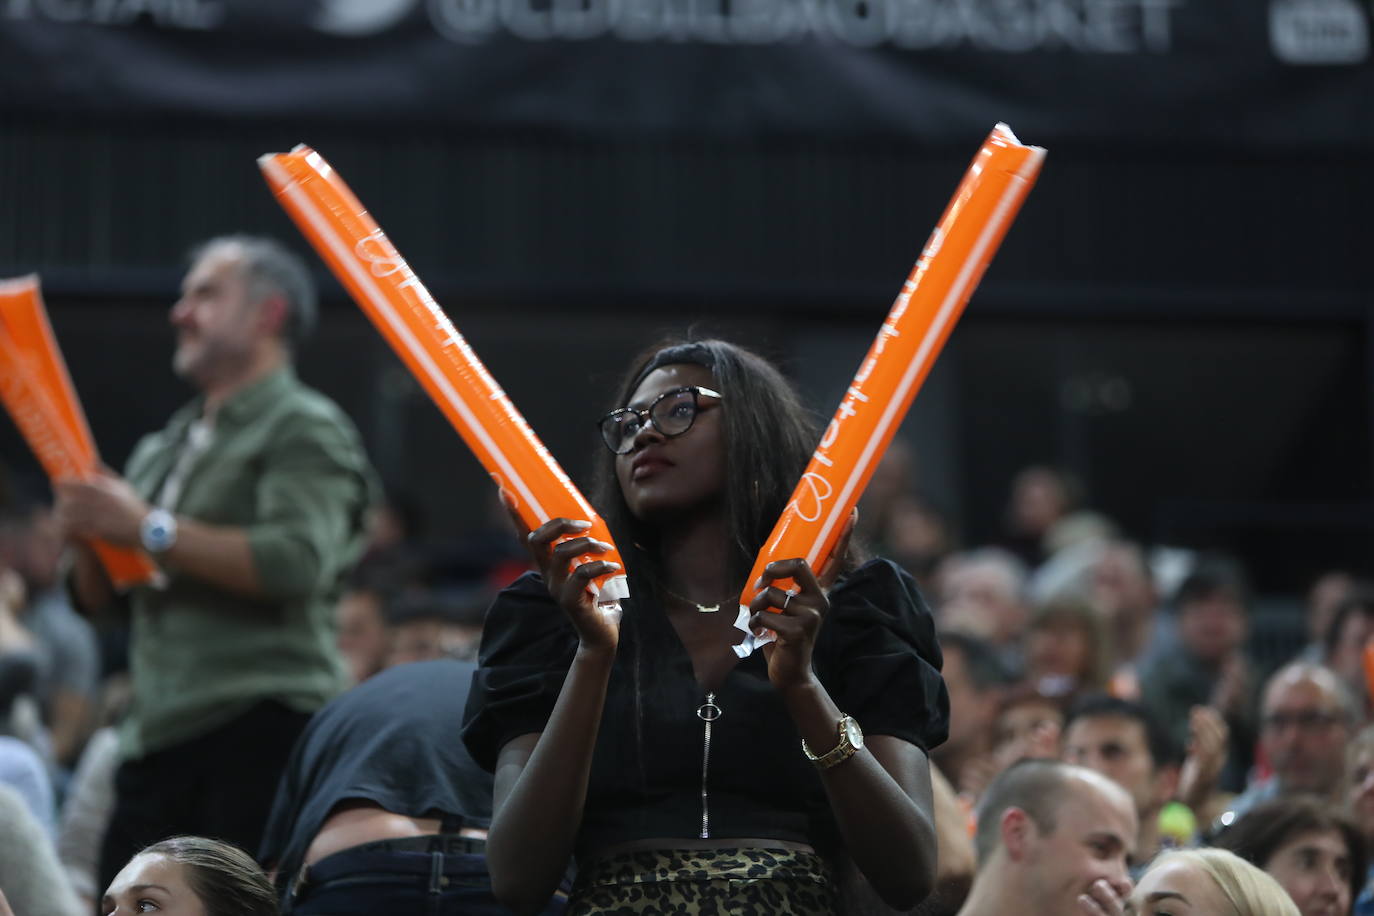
column 672, row 414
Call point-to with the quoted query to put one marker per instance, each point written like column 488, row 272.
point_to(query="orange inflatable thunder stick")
column 387, row 290
column 1369, row 668
column 907, row 344
column 38, row 393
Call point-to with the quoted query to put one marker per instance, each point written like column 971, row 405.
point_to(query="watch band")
column 842, row 751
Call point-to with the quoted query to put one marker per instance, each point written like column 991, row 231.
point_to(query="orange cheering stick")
column 38, row 393
column 382, row 283
column 1368, row 657
column 907, row 344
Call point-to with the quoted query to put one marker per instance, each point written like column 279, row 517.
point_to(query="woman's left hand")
column 802, row 611
column 789, row 657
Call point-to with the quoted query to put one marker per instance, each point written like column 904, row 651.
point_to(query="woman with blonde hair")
column 1207, row 882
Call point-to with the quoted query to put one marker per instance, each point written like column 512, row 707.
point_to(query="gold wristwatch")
column 851, row 742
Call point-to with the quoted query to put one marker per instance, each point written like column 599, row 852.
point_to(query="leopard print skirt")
column 705, row 882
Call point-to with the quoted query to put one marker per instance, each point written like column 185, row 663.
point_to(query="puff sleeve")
column 527, row 647
column 878, row 656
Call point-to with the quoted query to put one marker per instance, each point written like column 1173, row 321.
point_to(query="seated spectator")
column 1040, row 497
column 18, row 659
column 1207, row 882
column 1327, row 592
column 86, row 813
column 1120, row 740
column 1067, row 650
column 1315, row 853
column 376, row 584
column 1115, row 579
column 361, row 631
column 1052, row 839
column 1046, row 514
column 426, row 626
column 29, row 871
column 380, row 810
column 981, row 593
column 67, row 651
column 1360, row 804
column 1307, row 718
column 918, row 536
column 193, row 876
column 22, row 770
column 1029, row 724
column 975, row 679
column 1209, row 666
column 1351, row 628
column 955, row 860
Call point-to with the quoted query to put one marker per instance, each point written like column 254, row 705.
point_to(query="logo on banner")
column 355, row 18
column 1088, row 26
column 1318, row 31
column 1007, row 26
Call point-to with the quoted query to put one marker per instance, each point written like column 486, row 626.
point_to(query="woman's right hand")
column 597, row 629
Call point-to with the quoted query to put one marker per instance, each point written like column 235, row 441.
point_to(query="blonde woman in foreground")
column 1207, row 882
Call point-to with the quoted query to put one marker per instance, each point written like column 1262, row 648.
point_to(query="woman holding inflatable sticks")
column 681, row 776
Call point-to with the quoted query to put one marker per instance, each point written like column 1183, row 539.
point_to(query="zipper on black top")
column 707, row 712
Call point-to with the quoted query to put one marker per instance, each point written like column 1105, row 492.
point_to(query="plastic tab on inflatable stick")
column 387, row 290
column 38, row 393
column 931, row 301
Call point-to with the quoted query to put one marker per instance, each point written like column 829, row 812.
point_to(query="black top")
column 876, row 654
column 390, row 740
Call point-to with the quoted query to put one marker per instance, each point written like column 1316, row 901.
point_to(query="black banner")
column 1272, row 74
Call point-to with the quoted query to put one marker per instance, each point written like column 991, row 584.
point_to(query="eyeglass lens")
column 672, row 415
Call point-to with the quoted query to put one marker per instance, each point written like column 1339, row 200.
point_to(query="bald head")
column 1044, row 789
column 1308, row 716
column 1316, row 679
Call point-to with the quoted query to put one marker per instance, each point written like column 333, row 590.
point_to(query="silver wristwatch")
column 158, row 531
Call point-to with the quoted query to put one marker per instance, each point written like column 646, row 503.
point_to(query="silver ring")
column 785, row 600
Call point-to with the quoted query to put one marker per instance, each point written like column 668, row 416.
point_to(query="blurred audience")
column 30, row 875
column 1327, row 592
column 918, row 536
column 1068, row 651
column 1349, row 631
column 424, row 627
column 67, row 653
column 982, row 592
column 1094, row 725
column 1209, row 667
column 976, row 680
column 1314, row 851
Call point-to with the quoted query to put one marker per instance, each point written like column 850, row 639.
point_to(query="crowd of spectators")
column 1125, row 672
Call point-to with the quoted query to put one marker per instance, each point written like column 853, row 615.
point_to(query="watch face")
column 854, row 733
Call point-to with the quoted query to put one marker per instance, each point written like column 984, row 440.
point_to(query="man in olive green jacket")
column 252, row 501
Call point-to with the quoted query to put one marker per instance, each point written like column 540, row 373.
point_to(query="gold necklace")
column 701, row 608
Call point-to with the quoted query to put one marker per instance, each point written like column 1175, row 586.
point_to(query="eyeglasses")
column 1302, row 721
column 672, row 414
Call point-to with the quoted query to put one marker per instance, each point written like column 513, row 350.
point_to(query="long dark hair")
column 769, row 437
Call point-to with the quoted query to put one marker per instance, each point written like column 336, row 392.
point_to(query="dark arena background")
column 1183, row 315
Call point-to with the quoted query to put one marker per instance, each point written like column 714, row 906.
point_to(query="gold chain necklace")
column 701, row 608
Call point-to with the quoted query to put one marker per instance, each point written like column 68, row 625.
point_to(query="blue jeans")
column 370, row 879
